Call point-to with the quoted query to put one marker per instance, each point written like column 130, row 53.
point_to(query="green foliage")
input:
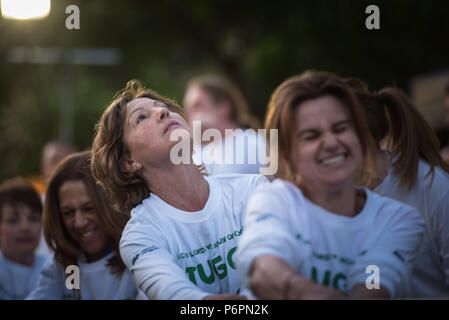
column 163, row 43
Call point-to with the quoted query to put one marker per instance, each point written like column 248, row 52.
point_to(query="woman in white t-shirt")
column 182, row 236
column 20, row 228
column 410, row 169
column 219, row 107
column 83, row 231
column 313, row 234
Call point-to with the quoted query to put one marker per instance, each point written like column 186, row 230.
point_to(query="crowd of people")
column 362, row 184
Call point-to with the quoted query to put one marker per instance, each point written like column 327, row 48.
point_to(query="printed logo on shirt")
column 213, row 245
column 141, row 253
column 327, row 256
column 397, row 254
column 328, row 278
column 216, row 268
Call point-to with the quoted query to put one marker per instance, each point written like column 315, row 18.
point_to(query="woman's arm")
column 50, row 285
column 271, row 278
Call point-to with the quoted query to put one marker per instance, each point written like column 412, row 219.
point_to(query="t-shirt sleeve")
column 393, row 253
column 440, row 231
column 153, row 267
column 50, row 285
column 266, row 230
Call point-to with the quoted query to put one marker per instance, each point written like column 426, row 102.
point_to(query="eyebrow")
column 132, row 112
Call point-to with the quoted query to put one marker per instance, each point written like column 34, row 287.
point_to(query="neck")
column 25, row 259
column 381, row 170
column 342, row 201
column 181, row 186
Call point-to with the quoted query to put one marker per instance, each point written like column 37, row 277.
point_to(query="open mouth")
column 333, row 160
column 171, row 125
column 88, row 233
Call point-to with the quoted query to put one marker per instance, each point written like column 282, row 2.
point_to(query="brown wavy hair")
column 394, row 120
column 76, row 167
column 307, row 86
column 222, row 89
column 126, row 190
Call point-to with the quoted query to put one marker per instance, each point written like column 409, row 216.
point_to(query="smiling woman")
column 83, row 230
column 312, row 233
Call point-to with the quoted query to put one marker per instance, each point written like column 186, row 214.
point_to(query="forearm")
column 272, row 278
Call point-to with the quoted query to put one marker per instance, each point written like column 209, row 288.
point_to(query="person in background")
column 410, row 169
column 218, row 104
column 52, row 153
column 83, row 231
column 184, row 227
column 313, row 233
column 20, row 227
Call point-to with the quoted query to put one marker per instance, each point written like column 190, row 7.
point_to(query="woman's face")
column 81, row 219
column 200, row 106
column 148, row 126
column 20, row 229
column 326, row 150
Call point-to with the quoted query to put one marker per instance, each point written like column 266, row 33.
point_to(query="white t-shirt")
column 431, row 271
column 333, row 250
column 244, row 152
column 174, row 254
column 96, row 282
column 17, row 280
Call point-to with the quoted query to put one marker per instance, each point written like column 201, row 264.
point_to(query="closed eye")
column 341, row 126
column 140, row 118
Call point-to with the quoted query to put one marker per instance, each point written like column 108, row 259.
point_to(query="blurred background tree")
column 257, row 44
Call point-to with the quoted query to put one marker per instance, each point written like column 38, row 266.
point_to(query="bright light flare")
column 25, row 9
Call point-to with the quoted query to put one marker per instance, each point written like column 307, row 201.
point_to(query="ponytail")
column 410, row 136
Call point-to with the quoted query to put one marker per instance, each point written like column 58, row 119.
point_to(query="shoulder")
column 391, row 211
column 40, row 259
column 275, row 195
column 239, row 181
column 143, row 225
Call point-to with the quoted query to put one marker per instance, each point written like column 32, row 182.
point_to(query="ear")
column 128, row 165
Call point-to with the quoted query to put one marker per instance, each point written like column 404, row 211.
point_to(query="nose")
column 162, row 113
column 80, row 220
column 330, row 141
column 25, row 225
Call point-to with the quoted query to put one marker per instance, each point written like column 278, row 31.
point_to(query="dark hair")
column 126, row 190
column 76, row 167
column 222, row 89
column 307, row 86
column 19, row 190
column 394, row 120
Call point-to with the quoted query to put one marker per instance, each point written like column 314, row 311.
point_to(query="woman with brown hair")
column 218, row 104
column 182, row 235
column 410, row 169
column 83, row 231
column 313, row 233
